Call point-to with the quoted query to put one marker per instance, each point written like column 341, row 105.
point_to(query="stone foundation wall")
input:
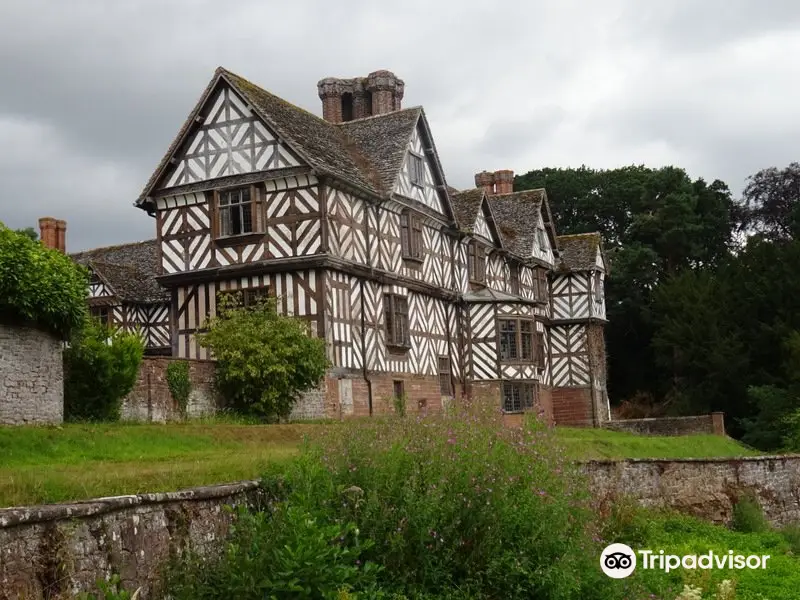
column 31, row 376
column 706, row 488
column 151, row 401
column 713, row 423
column 58, row 551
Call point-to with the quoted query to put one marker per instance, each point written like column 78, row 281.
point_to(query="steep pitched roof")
column 517, row 216
column 384, row 139
column 579, row 251
column 323, row 145
column 130, row 270
column 466, row 205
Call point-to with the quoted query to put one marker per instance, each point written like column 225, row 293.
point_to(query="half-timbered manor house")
column 419, row 289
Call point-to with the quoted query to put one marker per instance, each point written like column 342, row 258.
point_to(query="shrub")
column 264, row 360
column 179, row 383
column 100, row 368
column 454, row 503
column 748, row 517
column 289, row 554
column 39, row 285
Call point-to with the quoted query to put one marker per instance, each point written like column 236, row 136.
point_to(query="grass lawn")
column 583, row 444
column 77, row 461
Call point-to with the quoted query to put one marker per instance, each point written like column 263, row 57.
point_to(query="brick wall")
column 713, row 423
column 150, row 399
column 572, row 406
column 31, row 376
column 61, row 550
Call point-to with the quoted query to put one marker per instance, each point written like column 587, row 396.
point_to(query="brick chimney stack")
column 504, row 181
column 499, row 182
column 343, row 100
column 53, row 233
column 485, row 180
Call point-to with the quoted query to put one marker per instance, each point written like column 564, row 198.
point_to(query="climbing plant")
column 179, row 383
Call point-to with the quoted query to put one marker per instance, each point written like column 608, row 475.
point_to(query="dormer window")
column 514, row 278
column 416, row 167
column 235, row 212
column 542, row 235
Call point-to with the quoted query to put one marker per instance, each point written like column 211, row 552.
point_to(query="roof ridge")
column 379, row 116
column 225, row 71
column 113, row 246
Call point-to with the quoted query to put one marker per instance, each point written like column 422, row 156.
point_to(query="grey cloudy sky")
column 93, row 91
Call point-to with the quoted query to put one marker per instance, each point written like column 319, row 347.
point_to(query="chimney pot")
column 47, row 232
column 61, row 236
column 505, row 181
column 485, row 180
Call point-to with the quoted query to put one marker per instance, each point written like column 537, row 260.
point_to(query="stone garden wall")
column 31, row 376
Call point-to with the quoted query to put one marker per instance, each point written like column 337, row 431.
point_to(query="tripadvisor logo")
column 619, row 561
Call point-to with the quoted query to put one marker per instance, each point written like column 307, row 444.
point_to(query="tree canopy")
column 703, row 291
column 40, row 286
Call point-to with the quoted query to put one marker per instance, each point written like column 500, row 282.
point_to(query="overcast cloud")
column 93, row 91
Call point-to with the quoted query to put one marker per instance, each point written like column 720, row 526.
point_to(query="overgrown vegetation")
column 100, row 368
column 179, row 383
column 40, row 286
column 701, row 297
column 89, row 460
column 264, row 359
column 453, row 506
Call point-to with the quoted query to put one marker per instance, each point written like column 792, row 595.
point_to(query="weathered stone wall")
column 150, row 399
column 31, row 376
column 706, row 488
column 713, row 423
column 57, row 551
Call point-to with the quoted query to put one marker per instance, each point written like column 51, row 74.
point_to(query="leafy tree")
column 264, row 359
column 695, row 342
column 771, row 202
column 101, row 365
column 39, row 285
column 655, row 224
column 28, row 232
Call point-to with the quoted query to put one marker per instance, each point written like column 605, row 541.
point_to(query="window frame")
column 103, row 309
column 541, row 286
column 528, row 394
column 395, row 305
column 257, row 219
column 411, row 238
column 247, row 297
column 416, row 169
column 476, row 262
column 444, row 369
column 534, row 355
column 513, row 278
column 599, row 290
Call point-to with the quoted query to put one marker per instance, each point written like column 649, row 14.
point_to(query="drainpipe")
column 364, row 359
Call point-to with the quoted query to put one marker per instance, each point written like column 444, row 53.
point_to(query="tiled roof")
column 517, row 216
column 130, row 269
column 324, row 145
column 466, row 205
column 579, row 251
column 384, row 139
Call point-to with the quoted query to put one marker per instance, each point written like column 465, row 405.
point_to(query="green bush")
column 289, row 553
column 100, row 368
column 264, row 360
column 748, row 517
column 39, row 285
column 179, row 383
